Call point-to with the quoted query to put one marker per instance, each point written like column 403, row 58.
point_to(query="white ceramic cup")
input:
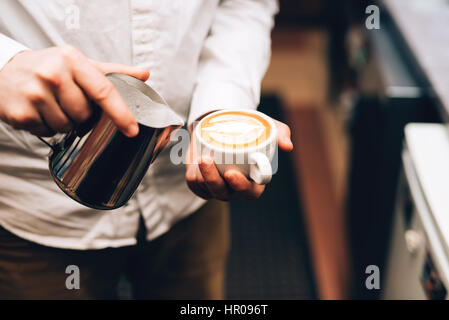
column 254, row 162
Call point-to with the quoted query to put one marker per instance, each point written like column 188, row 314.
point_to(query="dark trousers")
column 188, row 262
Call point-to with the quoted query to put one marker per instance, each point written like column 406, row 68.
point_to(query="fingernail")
column 147, row 73
column 132, row 130
column 230, row 177
column 206, row 160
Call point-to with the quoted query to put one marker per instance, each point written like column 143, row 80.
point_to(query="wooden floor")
column 299, row 75
column 269, row 256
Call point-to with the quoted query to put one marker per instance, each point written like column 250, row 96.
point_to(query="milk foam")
column 234, row 129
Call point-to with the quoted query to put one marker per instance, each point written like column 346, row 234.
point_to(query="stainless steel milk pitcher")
column 100, row 167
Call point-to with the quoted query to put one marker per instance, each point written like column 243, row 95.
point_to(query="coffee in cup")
column 242, row 139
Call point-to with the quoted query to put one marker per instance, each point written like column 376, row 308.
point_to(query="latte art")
column 235, row 129
column 234, row 132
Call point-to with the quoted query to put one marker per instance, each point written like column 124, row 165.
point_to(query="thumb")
column 284, row 136
column 136, row 72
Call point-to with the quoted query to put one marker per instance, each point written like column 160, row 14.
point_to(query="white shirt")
column 203, row 55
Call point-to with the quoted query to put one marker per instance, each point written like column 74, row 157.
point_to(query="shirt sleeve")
column 8, row 49
column 235, row 57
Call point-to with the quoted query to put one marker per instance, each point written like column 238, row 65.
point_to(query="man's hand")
column 48, row 91
column 206, row 182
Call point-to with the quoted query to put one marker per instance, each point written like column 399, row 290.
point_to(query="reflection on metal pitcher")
column 99, row 166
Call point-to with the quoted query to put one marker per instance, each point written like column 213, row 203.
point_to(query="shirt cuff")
column 216, row 95
column 9, row 48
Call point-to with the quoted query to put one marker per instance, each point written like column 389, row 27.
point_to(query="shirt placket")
column 142, row 45
column 143, row 26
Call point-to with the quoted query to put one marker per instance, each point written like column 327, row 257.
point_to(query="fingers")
column 196, row 184
column 52, row 115
column 194, row 178
column 37, row 111
column 73, row 102
column 205, row 181
column 213, row 180
column 104, row 67
column 52, row 88
column 284, row 136
column 244, row 188
column 25, row 116
column 40, row 129
column 102, row 91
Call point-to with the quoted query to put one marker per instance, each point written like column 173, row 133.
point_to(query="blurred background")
column 338, row 201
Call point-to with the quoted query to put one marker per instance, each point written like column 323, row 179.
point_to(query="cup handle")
column 260, row 168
